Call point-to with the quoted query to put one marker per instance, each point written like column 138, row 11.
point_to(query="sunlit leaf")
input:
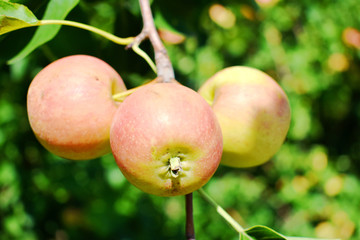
column 262, row 233
column 56, row 9
column 243, row 236
column 265, row 233
column 15, row 16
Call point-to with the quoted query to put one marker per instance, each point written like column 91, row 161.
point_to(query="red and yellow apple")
column 253, row 112
column 70, row 106
column 166, row 139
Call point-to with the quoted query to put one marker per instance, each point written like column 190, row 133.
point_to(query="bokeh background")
column 310, row 188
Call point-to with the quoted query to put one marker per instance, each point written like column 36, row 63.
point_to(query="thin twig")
column 190, row 231
column 164, row 67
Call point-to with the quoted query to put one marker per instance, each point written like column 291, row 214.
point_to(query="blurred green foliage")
column 310, row 188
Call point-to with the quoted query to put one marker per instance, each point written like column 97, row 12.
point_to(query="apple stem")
column 164, row 67
column 190, row 230
column 122, row 41
column 120, row 97
column 109, row 36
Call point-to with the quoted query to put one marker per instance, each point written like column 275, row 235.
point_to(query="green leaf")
column 14, row 16
column 161, row 22
column 304, row 238
column 265, row 233
column 56, row 9
column 244, row 236
column 262, row 233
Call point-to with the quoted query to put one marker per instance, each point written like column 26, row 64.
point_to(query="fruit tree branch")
column 164, row 67
column 166, row 74
column 190, row 231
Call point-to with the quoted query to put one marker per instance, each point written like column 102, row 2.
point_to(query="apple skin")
column 70, row 106
column 160, row 122
column 253, row 112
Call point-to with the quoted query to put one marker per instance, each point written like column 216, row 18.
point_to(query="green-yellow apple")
column 166, row 139
column 253, row 112
column 70, row 106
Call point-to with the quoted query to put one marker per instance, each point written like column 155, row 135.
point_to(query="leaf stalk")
column 109, row 36
column 221, row 211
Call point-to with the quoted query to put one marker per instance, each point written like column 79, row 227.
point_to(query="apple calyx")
column 175, row 166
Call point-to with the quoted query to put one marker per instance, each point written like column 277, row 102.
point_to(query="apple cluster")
column 166, row 138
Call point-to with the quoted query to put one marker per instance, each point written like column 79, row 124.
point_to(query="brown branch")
column 190, row 231
column 164, row 67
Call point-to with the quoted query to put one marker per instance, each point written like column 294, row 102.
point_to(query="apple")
column 70, row 106
column 166, row 139
column 253, row 112
column 351, row 37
